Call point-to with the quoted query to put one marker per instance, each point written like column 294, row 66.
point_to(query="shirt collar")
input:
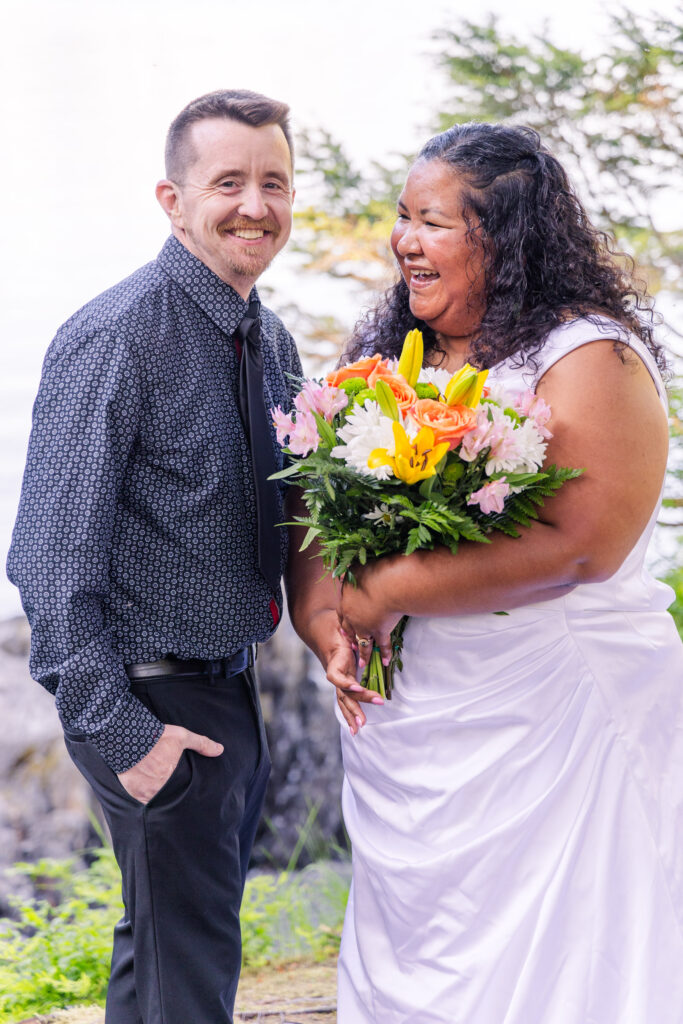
column 217, row 299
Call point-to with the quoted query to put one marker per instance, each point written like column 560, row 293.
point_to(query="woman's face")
column 444, row 272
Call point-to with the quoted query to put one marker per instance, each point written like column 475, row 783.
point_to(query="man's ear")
column 168, row 196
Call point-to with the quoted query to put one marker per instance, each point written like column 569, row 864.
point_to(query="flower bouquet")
column 395, row 457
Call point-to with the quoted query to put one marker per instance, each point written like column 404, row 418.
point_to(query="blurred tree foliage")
column 614, row 120
column 672, row 511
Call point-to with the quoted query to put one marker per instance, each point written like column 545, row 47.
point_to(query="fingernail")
column 359, row 722
column 385, row 661
column 352, row 730
column 377, row 700
column 356, row 687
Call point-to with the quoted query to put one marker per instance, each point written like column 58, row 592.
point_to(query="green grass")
column 675, row 580
column 55, row 953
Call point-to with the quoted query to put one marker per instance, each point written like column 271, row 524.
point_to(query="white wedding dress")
column 516, row 810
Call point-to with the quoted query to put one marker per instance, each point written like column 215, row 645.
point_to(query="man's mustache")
column 245, row 224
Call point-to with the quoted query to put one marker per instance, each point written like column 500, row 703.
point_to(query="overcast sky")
column 88, row 88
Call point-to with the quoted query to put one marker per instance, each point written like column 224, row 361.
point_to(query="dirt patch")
column 296, row 993
column 289, row 994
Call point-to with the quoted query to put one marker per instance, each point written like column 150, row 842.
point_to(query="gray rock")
column 47, row 809
column 302, row 810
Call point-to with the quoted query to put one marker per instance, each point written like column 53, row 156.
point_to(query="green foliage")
column 673, row 502
column 55, row 951
column 675, row 580
column 293, row 915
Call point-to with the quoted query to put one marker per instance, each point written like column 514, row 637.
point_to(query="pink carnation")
column 304, row 438
column 527, row 403
column 321, row 398
column 491, row 497
column 284, row 424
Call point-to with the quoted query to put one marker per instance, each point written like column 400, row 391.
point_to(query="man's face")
column 234, row 208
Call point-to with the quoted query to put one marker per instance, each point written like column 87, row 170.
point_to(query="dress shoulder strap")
column 576, row 333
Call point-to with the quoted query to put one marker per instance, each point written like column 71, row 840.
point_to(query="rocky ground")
column 286, row 994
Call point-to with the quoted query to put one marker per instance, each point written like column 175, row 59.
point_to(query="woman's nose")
column 408, row 242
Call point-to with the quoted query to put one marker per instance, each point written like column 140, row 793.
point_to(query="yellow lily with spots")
column 412, row 461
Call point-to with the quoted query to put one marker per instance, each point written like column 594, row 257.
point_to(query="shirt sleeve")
column 85, row 422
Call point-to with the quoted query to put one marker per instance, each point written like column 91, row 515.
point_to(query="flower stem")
column 379, row 678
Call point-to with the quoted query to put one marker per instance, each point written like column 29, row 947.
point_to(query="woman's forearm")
column 480, row 578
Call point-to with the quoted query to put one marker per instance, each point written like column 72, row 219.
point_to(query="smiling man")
column 148, row 557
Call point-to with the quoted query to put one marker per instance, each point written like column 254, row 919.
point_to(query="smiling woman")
column 488, row 802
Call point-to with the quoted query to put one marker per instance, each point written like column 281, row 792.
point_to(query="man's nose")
column 252, row 203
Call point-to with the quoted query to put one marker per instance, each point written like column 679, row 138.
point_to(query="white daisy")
column 382, row 515
column 365, row 429
column 432, row 375
column 532, row 446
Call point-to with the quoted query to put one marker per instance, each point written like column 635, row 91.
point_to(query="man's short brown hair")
column 233, row 104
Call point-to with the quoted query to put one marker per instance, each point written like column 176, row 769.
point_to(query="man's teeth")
column 243, row 233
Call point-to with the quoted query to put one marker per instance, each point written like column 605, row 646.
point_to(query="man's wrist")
column 129, row 735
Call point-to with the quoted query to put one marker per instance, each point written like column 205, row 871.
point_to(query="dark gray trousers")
column 184, row 855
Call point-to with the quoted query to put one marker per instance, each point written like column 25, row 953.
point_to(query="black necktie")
column 256, row 425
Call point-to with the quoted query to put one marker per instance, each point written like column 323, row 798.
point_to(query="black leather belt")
column 172, row 666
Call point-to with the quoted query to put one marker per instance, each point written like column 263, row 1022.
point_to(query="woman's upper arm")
column 608, row 419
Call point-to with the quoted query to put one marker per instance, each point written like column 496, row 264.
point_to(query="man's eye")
column 228, row 183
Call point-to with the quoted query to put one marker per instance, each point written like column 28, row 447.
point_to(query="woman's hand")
column 341, row 668
column 366, row 611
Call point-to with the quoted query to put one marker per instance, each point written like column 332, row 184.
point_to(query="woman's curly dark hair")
column 544, row 262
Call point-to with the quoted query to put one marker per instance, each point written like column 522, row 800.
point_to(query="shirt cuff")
column 130, row 734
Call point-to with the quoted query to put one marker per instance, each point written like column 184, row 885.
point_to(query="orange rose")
column 449, row 422
column 361, row 368
column 403, row 393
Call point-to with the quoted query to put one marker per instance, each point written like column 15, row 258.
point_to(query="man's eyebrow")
column 279, row 176
column 240, row 173
column 236, row 173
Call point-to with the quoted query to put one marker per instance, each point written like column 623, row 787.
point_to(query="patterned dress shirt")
column 136, row 533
